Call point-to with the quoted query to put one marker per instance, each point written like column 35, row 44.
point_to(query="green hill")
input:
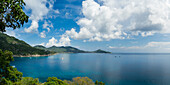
column 68, row 49
column 62, row 49
column 40, row 47
column 19, row 47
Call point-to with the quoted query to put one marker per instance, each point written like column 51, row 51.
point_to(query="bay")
column 113, row 69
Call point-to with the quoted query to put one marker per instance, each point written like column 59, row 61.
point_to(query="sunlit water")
column 113, row 69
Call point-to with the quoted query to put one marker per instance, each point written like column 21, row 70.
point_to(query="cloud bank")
column 121, row 19
column 149, row 47
column 63, row 41
column 38, row 12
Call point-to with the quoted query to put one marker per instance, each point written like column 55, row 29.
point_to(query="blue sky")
column 113, row 25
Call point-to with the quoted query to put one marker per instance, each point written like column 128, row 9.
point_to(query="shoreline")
column 37, row 55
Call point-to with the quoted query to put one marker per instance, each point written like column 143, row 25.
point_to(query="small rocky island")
column 101, row 51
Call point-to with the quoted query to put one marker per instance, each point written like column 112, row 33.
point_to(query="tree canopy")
column 12, row 14
column 7, row 72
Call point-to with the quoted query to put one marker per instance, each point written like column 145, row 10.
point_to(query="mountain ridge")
column 21, row 48
column 68, row 49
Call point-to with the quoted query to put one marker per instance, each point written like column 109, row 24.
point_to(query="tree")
column 99, row 83
column 11, row 14
column 80, row 81
column 27, row 81
column 7, row 72
column 54, row 81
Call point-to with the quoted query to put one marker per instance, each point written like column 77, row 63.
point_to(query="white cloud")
column 38, row 12
column 120, row 19
column 57, row 11
column 43, row 44
column 158, row 45
column 64, row 41
column 149, row 47
column 51, row 42
column 33, row 28
column 132, row 47
column 47, row 25
column 12, row 33
column 42, row 34
column 48, row 29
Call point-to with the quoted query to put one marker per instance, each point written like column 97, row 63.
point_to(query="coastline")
column 37, row 55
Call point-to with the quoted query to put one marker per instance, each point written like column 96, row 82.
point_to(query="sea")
column 112, row 69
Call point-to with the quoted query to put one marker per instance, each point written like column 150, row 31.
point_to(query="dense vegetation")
column 11, row 76
column 19, row 47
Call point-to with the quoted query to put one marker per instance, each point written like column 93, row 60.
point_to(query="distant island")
column 22, row 49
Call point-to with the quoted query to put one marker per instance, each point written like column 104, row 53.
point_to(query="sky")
column 119, row 26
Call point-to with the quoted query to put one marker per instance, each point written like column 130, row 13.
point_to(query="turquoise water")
column 113, row 69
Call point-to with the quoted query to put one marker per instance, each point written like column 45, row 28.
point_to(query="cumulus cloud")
column 42, row 34
column 51, row 42
column 38, row 11
column 47, row 25
column 33, row 28
column 57, row 11
column 63, row 41
column 120, row 19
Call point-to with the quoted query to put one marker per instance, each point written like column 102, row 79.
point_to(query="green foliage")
column 54, row 81
column 50, row 83
column 80, row 81
column 19, row 47
column 5, row 82
column 27, row 81
column 7, row 72
column 11, row 14
column 99, row 83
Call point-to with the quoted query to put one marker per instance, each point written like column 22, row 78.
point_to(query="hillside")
column 62, row 49
column 68, row 49
column 19, row 47
column 40, row 47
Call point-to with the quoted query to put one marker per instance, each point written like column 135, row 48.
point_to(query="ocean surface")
column 113, row 69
